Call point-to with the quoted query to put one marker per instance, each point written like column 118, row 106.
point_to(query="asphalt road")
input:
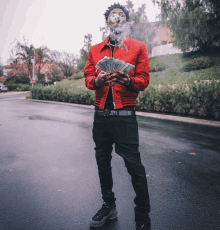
column 49, row 178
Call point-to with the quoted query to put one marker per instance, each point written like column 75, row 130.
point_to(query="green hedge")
column 18, row 86
column 64, row 94
column 200, row 99
column 198, row 63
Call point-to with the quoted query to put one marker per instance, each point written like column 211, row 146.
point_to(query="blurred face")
column 116, row 18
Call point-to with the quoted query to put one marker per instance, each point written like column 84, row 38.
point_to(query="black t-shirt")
column 109, row 100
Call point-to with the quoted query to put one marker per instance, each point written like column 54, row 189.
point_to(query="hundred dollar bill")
column 127, row 68
column 108, row 64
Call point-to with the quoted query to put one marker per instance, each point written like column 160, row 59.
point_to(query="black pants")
column 123, row 131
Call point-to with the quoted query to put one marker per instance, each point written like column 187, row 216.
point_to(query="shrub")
column 155, row 65
column 198, row 63
column 11, row 86
column 63, row 94
column 146, row 99
column 77, row 76
column 206, row 96
column 167, row 99
column 203, row 98
column 17, row 79
column 23, row 87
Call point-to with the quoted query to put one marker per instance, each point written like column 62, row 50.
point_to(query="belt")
column 108, row 112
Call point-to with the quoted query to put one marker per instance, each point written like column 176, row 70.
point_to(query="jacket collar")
column 123, row 43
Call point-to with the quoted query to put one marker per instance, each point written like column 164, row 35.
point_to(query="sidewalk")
column 151, row 115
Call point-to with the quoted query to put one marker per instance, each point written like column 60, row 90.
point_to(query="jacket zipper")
column 112, row 87
column 108, row 88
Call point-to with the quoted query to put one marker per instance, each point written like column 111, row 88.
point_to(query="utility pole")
column 33, row 62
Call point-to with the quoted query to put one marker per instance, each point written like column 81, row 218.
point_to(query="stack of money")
column 109, row 64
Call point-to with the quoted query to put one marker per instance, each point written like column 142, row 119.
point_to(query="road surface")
column 49, row 178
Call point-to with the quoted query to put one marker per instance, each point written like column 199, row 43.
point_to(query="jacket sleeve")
column 90, row 72
column 142, row 76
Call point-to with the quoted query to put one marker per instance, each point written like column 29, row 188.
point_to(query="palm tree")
column 25, row 55
column 42, row 57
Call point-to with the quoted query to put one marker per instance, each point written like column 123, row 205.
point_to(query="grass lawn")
column 79, row 82
column 173, row 74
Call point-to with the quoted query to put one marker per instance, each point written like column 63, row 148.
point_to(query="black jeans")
column 123, row 131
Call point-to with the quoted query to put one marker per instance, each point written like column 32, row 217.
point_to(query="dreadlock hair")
column 112, row 7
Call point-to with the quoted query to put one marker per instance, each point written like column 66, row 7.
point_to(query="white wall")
column 164, row 50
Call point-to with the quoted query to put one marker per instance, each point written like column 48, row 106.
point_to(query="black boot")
column 143, row 221
column 143, row 226
column 105, row 213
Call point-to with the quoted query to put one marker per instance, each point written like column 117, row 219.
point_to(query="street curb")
column 15, row 92
column 145, row 114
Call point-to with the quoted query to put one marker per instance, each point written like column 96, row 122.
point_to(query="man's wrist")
column 95, row 83
column 129, row 84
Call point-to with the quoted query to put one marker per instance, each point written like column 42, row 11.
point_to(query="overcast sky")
column 60, row 25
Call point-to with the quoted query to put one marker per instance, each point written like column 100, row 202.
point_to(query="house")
column 162, row 42
column 162, row 33
column 49, row 70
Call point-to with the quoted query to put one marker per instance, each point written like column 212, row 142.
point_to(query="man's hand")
column 103, row 79
column 111, row 79
column 121, row 78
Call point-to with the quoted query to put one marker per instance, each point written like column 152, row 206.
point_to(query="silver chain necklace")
column 114, row 44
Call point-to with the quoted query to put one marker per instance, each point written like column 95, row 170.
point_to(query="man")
column 114, row 119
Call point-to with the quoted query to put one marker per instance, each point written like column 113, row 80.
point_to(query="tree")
column 42, row 57
column 25, row 54
column 193, row 23
column 140, row 26
column 84, row 51
column 66, row 61
column 55, row 73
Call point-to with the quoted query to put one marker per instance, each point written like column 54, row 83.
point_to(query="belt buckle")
column 106, row 112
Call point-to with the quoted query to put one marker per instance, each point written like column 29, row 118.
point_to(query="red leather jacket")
column 132, row 51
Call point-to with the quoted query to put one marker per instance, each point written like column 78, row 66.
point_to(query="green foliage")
column 155, row 65
column 23, row 87
column 1, row 70
column 77, row 76
column 41, row 78
column 206, row 99
column 174, row 71
column 198, row 63
column 24, row 54
column 11, row 86
column 199, row 99
column 17, row 79
column 84, row 52
column 193, row 24
column 147, row 99
column 141, row 28
column 63, row 94
column 56, row 79
column 178, row 95
column 17, row 83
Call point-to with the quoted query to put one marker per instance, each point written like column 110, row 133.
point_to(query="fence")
column 164, row 50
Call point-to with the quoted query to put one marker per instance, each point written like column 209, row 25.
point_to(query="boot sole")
column 111, row 216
